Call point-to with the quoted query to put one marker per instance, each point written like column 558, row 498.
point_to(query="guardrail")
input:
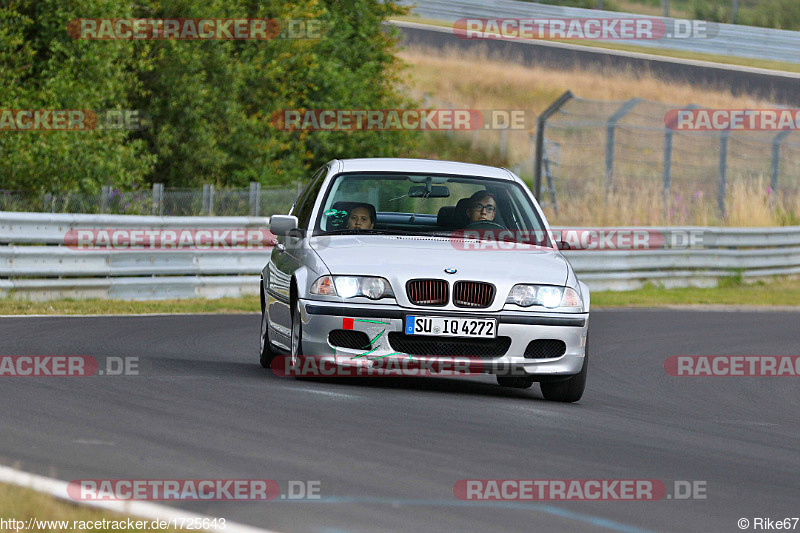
column 50, row 228
column 45, row 268
column 36, row 264
column 730, row 40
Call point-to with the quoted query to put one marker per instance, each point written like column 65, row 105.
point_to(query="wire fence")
column 623, row 144
column 587, row 146
column 160, row 201
column 592, row 147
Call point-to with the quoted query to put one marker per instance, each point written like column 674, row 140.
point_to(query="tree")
column 42, row 67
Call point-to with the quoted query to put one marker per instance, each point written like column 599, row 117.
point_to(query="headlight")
column 346, row 286
column 546, row 296
column 373, row 288
column 352, row 286
column 523, row 295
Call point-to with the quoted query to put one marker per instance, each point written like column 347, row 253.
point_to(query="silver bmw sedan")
column 420, row 262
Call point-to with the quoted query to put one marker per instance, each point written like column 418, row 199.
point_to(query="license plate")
column 484, row 328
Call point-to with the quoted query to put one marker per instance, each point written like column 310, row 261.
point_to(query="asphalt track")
column 388, row 452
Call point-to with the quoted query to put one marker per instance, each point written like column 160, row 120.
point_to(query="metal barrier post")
column 540, row 125
column 666, row 176
column 105, row 193
column 722, row 182
column 611, row 132
column 255, row 198
column 208, row 200
column 158, row 199
column 775, row 165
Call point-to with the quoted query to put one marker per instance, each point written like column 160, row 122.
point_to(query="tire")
column 267, row 353
column 569, row 390
column 517, row 382
column 297, row 334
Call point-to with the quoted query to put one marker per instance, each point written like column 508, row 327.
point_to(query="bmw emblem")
column 450, row 270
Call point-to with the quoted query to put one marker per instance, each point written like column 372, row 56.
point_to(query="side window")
column 305, row 204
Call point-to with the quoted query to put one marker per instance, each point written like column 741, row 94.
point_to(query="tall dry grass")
column 479, row 82
column 749, row 203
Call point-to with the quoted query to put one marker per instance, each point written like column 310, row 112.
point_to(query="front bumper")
column 320, row 318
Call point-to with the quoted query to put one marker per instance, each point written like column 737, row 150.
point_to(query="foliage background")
column 210, row 102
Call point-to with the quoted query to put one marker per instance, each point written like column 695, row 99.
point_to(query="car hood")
column 408, row 257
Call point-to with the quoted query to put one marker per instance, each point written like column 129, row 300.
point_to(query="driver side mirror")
column 282, row 224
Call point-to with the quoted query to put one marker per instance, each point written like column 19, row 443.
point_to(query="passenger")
column 362, row 216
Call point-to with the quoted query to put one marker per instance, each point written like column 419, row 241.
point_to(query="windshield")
column 428, row 204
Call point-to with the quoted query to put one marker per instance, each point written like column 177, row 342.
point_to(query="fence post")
column 611, row 133
column 158, row 199
column 722, row 182
column 47, row 205
column 540, row 125
column 449, row 132
column 255, row 198
column 666, row 176
column 550, row 184
column 775, row 167
column 105, row 193
column 208, row 200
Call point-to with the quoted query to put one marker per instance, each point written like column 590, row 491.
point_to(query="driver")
column 481, row 207
column 362, row 216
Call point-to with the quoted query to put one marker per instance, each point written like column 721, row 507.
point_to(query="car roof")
column 432, row 166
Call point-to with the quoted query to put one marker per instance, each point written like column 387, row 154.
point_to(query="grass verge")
column 20, row 503
column 778, row 291
column 247, row 304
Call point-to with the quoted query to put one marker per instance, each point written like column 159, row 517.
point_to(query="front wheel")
column 569, row 390
column 267, row 352
column 297, row 334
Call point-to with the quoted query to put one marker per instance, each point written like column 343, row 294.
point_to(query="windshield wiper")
column 368, row 232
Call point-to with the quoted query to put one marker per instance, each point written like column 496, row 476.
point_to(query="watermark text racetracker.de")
column 733, row 365
column 640, row 239
column 577, row 489
column 73, row 120
column 192, row 490
column 192, row 29
column 402, row 119
column 732, row 119
column 128, row 524
column 621, row 28
column 170, row 239
column 67, row 366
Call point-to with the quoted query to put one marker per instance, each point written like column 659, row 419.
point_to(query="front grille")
column 437, row 346
column 545, row 349
column 344, row 338
column 473, row 294
column 427, row 291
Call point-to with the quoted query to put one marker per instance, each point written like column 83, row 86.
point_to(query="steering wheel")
column 484, row 224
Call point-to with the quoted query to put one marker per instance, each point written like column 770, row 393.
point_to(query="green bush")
column 210, row 102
